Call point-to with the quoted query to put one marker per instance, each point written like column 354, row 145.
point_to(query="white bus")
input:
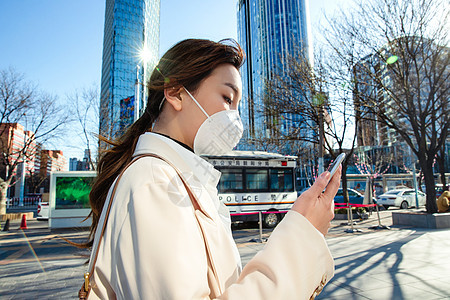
column 254, row 181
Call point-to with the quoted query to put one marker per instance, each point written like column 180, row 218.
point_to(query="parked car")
column 42, row 211
column 354, row 197
column 403, row 198
column 439, row 189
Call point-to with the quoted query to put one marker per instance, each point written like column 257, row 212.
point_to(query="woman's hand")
column 318, row 206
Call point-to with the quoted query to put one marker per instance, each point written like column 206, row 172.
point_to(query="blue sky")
column 57, row 44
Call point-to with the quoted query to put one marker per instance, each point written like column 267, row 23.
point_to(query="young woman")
column 160, row 244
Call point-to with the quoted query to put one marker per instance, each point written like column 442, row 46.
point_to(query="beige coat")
column 153, row 249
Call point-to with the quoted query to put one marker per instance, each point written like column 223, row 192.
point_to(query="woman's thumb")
column 321, row 183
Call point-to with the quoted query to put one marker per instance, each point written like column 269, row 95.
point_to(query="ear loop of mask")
column 192, row 97
column 162, row 102
column 165, row 79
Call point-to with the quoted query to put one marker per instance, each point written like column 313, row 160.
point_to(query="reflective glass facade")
column 268, row 30
column 130, row 52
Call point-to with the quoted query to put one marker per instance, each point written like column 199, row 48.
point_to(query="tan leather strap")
column 84, row 291
column 86, row 287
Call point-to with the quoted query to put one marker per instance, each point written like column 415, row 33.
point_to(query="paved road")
column 401, row 263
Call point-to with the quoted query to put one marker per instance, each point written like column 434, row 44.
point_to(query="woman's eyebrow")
column 233, row 87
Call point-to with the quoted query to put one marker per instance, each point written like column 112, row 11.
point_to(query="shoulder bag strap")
column 86, row 287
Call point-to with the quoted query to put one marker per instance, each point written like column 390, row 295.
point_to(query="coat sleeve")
column 159, row 251
column 295, row 264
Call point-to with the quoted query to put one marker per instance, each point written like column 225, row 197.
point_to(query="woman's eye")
column 228, row 100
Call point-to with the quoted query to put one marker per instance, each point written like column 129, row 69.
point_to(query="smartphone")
column 335, row 164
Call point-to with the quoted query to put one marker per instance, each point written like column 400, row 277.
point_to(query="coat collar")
column 184, row 159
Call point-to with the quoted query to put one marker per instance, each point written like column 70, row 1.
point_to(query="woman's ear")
column 173, row 96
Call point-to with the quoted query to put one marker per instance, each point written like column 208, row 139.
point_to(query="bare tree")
column 404, row 62
column 314, row 95
column 374, row 162
column 36, row 180
column 85, row 109
column 263, row 142
column 39, row 113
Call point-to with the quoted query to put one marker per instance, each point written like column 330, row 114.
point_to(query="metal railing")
column 260, row 213
column 27, row 202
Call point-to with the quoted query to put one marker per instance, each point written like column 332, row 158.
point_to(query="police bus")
column 255, row 181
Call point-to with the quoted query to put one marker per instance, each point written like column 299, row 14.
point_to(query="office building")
column 402, row 84
column 269, row 31
column 51, row 161
column 370, row 132
column 130, row 52
column 381, row 88
column 14, row 140
column 73, row 164
column 81, row 165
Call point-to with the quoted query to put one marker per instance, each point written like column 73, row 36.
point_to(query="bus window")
column 281, row 180
column 231, row 180
column 257, row 179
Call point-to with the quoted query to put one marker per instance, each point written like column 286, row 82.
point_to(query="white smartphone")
column 335, row 164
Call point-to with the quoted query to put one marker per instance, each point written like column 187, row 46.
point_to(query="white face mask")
column 219, row 133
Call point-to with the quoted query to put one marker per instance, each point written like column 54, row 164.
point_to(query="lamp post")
column 413, row 161
column 318, row 101
column 137, row 94
column 22, row 182
column 146, row 56
column 23, row 169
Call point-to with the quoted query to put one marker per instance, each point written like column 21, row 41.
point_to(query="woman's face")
column 222, row 90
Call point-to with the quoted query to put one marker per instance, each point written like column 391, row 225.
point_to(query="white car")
column 42, row 211
column 402, row 198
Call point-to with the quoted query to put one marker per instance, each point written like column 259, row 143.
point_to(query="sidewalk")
column 401, row 263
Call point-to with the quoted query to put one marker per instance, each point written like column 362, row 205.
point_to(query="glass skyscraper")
column 130, row 52
column 268, row 31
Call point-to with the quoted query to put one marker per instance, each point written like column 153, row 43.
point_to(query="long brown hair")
column 187, row 64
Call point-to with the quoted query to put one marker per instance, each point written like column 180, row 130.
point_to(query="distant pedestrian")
column 443, row 202
column 169, row 239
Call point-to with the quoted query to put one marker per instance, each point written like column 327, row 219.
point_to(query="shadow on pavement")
column 364, row 264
